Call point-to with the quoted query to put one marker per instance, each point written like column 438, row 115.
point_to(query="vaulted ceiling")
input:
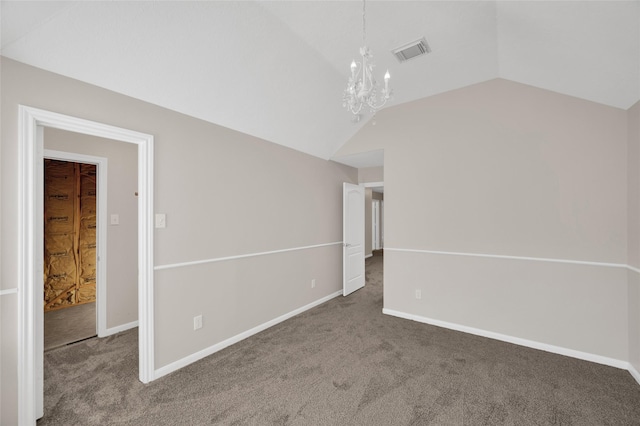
column 277, row 69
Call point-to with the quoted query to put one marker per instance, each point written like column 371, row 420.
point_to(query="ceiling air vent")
column 412, row 50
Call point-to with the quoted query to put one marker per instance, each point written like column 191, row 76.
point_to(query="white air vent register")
column 412, row 50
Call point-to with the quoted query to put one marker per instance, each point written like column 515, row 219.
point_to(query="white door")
column 352, row 238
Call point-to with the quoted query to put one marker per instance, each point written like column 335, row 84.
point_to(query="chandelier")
column 362, row 90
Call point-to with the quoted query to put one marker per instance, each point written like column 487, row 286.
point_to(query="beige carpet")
column 342, row 363
column 69, row 325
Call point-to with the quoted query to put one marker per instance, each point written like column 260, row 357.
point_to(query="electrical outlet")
column 197, row 322
column 313, row 283
column 418, row 294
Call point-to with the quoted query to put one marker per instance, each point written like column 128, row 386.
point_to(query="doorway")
column 377, row 213
column 374, row 264
column 70, row 251
column 32, row 122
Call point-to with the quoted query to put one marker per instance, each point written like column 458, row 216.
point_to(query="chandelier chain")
column 364, row 23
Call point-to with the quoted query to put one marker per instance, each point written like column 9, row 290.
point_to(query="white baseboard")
column 176, row 365
column 368, row 256
column 634, row 373
column 612, row 362
column 118, row 329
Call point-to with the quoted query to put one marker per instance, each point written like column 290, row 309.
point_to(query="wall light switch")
column 197, row 322
column 115, row 219
column 161, row 220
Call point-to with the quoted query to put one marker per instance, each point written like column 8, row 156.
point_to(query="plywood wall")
column 70, row 234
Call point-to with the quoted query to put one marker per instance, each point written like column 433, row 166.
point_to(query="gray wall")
column 122, row 240
column 371, row 174
column 500, row 168
column 224, row 193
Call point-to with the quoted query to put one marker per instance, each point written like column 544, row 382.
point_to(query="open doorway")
column 377, row 221
column 90, row 240
column 370, row 176
column 374, row 212
column 374, row 217
column 70, row 251
column 32, row 124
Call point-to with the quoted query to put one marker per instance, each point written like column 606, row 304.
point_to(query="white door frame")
column 375, row 224
column 381, row 224
column 31, row 122
column 101, row 235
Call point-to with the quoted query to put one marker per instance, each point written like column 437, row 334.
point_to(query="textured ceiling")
column 276, row 70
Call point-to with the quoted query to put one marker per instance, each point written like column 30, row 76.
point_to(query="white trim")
column 240, row 256
column 101, row 222
column 119, row 328
column 176, row 365
column 634, row 373
column 368, row 256
column 73, row 156
column 26, row 249
column 30, row 157
column 500, row 256
column 372, row 184
column 612, row 362
column 633, row 268
column 8, row 291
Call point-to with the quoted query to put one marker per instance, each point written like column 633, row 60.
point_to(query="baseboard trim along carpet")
column 176, row 365
column 612, row 362
column 634, row 373
column 118, row 329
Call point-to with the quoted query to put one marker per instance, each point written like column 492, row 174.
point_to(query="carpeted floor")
column 341, row 363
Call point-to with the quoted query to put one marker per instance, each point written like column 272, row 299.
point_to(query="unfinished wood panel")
column 70, row 234
column 87, row 235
